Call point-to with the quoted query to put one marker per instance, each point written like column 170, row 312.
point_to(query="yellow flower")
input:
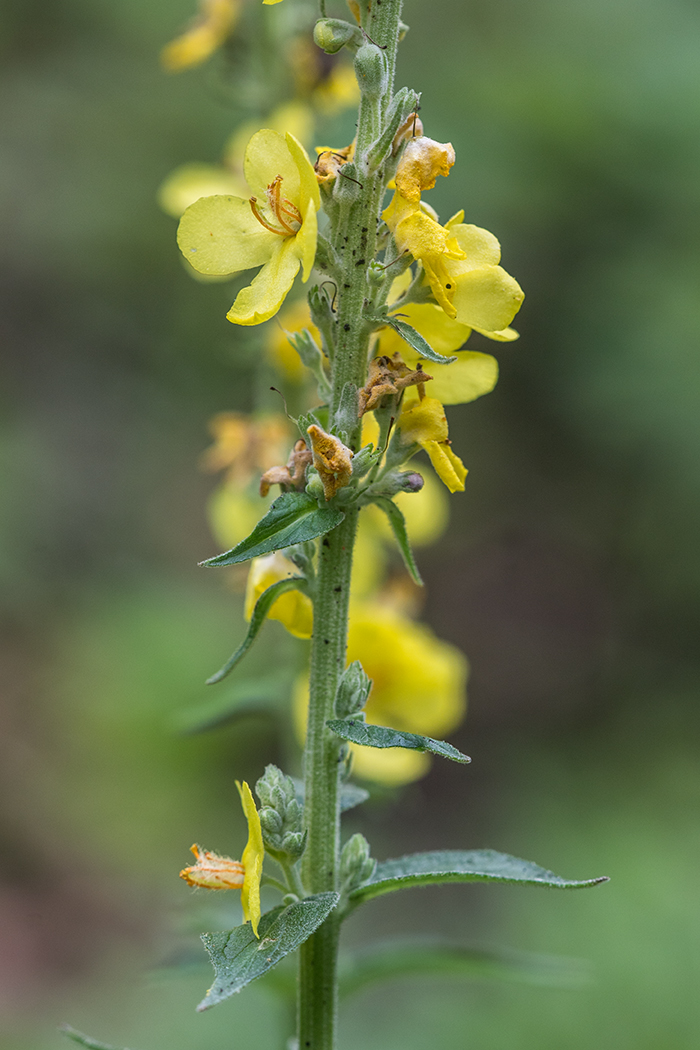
column 208, row 32
column 294, row 610
column 252, row 859
column 470, row 376
column 423, row 422
column 224, row 235
column 214, row 872
column 418, row 687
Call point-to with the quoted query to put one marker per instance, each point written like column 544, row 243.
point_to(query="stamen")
column 253, row 201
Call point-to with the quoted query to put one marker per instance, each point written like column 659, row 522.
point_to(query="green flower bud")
column 371, row 71
column 332, row 34
column 281, row 815
column 314, row 486
column 397, row 481
column 353, row 690
column 356, row 864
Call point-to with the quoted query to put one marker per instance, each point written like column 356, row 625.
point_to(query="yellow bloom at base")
column 209, row 31
column 215, row 872
column 294, row 610
column 423, row 422
column 419, row 686
column 275, row 229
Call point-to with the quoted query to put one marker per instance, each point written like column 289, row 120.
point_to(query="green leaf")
column 262, row 607
column 351, row 795
column 478, row 865
column 398, row 527
column 238, row 958
column 380, row 736
column 416, row 340
column 293, row 518
column 424, row 958
column 252, row 696
column 85, row 1040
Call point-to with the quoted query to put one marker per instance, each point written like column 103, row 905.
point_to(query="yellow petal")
column 307, row 240
column 263, row 297
column 448, row 467
column 267, row 155
column 252, row 859
column 506, row 335
column 308, row 183
column 472, row 375
column 220, row 235
column 480, row 246
column 190, row 182
column 487, row 298
column 422, row 421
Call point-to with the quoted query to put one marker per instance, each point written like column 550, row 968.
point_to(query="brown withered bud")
column 388, row 376
column 290, row 476
column 330, row 161
column 412, row 127
column 332, row 460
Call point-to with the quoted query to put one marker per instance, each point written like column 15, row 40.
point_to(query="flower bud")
column 332, row 34
column 281, row 813
column 356, row 864
column 353, row 690
column 398, row 481
column 371, row 71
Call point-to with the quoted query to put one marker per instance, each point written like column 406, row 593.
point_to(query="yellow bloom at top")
column 423, row 422
column 275, row 229
column 214, row 872
column 207, row 33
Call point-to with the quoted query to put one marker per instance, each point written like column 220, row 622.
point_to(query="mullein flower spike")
column 275, row 229
column 214, row 872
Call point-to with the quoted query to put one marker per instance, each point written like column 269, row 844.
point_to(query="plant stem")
column 355, row 242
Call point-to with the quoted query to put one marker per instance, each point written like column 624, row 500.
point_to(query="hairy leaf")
column 479, row 865
column 419, row 344
column 398, row 527
column 262, row 607
column 293, row 518
column 239, row 958
column 380, row 736
column 422, row 958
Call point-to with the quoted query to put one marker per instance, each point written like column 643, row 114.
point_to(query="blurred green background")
column 570, row 576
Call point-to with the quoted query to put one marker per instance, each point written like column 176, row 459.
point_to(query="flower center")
column 280, row 216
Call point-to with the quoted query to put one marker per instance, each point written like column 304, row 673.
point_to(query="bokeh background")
column 571, row 575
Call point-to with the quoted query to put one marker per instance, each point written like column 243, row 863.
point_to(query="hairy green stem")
column 354, row 240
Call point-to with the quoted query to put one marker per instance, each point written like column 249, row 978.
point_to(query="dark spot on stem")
column 346, row 327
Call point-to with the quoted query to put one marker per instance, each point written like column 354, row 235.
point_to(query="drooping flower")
column 275, row 229
column 215, row 872
column 207, row 33
column 418, row 686
column 294, row 610
column 423, row 422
